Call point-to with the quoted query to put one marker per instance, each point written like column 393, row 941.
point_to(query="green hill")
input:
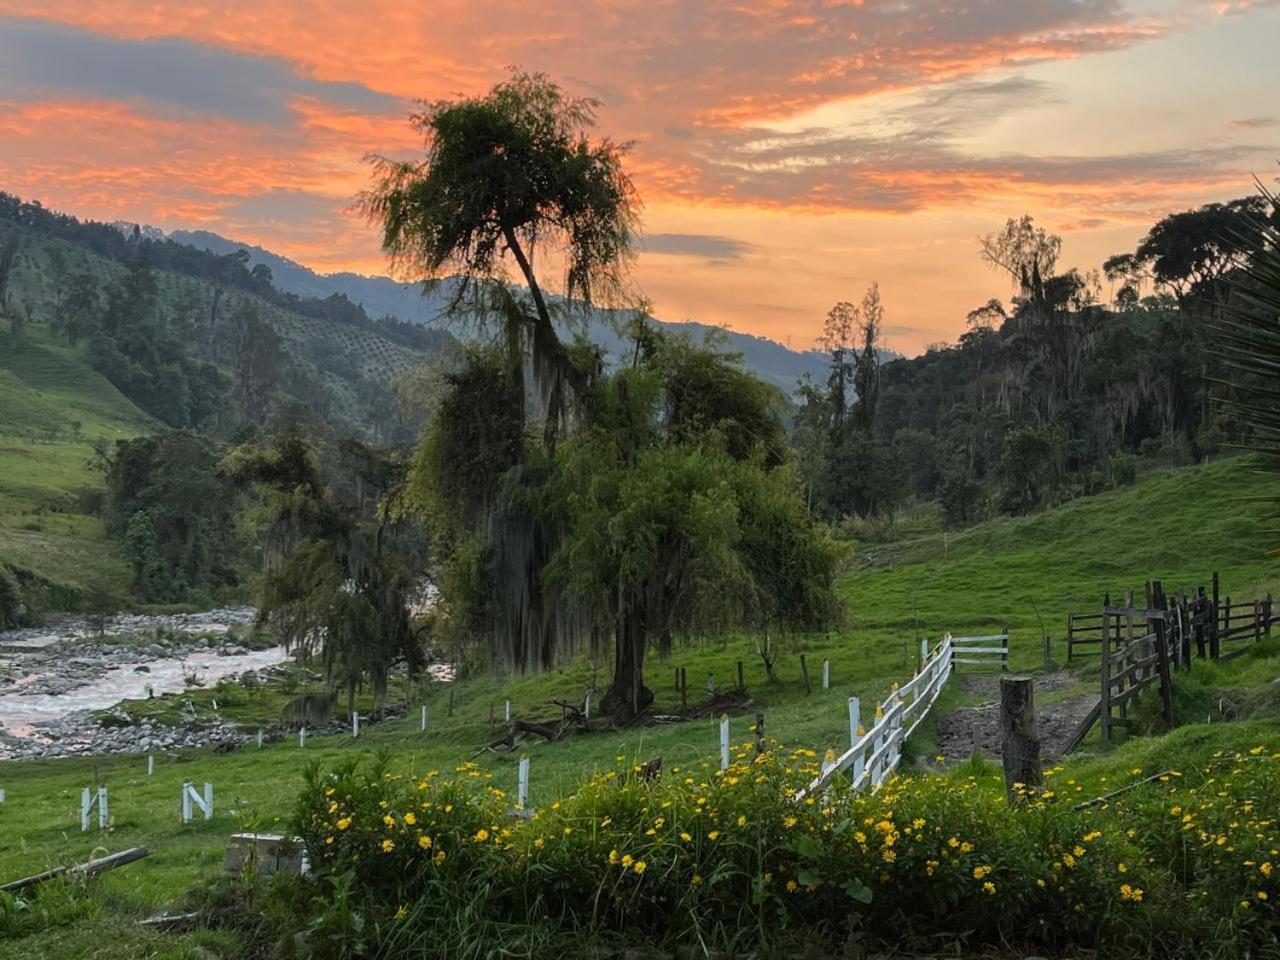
column 53, row 406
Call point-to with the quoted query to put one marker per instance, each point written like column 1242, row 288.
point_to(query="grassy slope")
column 53, row 405
column 1178, row 525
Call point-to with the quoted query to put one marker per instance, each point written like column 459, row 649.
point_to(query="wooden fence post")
column 1019, row 739
column 522, row 784
column 684, row 688
column 1166, row 681
column 759, row 734
column 1215, row 646
column 742, row 682
column 1104, row 702
column 804, row 670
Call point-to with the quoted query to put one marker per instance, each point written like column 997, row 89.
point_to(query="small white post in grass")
column 1, row 794
column 189, row 796
column 215, row 706
column 522, row 786
column 724, row 741
column 151, row 764
column 826, row 674
column 423, row 724
column 355, row 723
column 507, row 712
column 90, row 799
column 828, row 764
column 586, row 707
column 259, row 738
column 302, row 736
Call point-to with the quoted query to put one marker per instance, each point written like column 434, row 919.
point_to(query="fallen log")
column 90, row 869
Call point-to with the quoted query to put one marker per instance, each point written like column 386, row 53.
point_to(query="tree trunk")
column 627, row 695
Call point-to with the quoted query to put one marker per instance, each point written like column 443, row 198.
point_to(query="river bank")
column 55, row 679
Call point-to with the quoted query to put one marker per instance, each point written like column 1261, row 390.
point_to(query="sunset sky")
column 788, row 152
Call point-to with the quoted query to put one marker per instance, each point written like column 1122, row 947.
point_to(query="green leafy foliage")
column 174, row 515
column 733, row 860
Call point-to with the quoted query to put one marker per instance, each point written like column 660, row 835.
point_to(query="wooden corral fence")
column 1209, row 625
column 1144, row 656
column 1142, row 648
column 875, row 752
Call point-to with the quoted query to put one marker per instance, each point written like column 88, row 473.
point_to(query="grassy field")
column 1179, row 526
column 53, row 406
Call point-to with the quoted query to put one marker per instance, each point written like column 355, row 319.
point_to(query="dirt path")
column 968, row 729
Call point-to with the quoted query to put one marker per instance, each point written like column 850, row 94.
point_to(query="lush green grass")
column 53, row 406
column 1178, row 526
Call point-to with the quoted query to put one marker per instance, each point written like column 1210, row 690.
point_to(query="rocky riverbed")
column 53, row 680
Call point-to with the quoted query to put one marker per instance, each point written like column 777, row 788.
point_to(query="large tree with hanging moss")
column 623, row 507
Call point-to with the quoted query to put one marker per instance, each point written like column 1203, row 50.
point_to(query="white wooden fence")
column 874, row 754
column 989, row 651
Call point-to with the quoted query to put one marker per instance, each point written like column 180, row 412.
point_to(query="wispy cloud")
column 703, row 245
column 1254, row 123
column 39, row 60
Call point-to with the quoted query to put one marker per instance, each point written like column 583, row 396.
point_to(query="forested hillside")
column 199, row 340
column 1070, row 388
column 382, row 296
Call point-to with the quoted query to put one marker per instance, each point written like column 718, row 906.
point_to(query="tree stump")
column 1019, row 740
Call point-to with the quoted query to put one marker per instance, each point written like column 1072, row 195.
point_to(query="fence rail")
column 874, row 754
column 991, row 650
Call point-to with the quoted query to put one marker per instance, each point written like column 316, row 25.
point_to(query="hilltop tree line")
column 1058, row 392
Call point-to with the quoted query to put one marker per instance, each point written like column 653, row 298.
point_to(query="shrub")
column 1124, row 469
column 11, row 606
column 733, row 860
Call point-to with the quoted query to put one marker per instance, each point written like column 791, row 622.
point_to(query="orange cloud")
column 705, row 87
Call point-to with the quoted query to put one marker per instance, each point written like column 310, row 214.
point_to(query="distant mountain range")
column 383, row 296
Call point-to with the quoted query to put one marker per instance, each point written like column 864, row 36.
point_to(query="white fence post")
column 302, row 736
column 423, row 725
column 826, row 674
column 586, row 707
column 1, row 794
column 88, row 800
column 855, row 720
column 507, row 712
column 151, row 764
column 189, row 796
column 259, row 738
column 522, row 787
column 355, row 723
column 724, row 741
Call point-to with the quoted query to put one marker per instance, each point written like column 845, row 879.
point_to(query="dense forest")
column 1062, row 391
